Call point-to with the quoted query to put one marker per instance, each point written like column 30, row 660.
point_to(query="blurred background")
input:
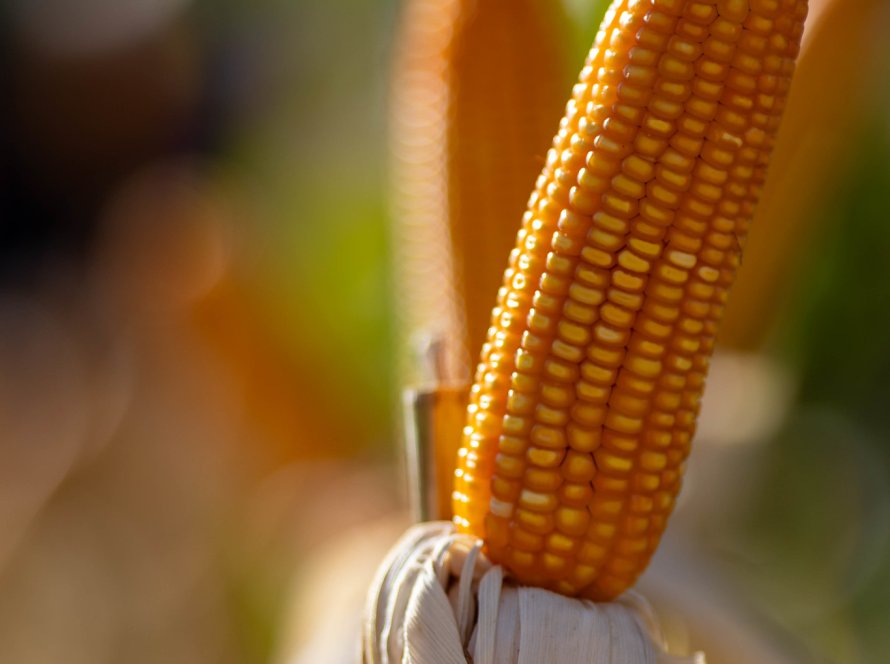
column 197, row 385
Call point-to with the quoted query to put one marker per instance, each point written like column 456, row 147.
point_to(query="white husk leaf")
column 438, row 600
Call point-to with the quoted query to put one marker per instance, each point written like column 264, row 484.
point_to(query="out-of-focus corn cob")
column 478, row 87
column 586, row 397
column 831, row 93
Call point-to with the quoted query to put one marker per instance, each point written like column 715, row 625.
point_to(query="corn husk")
column 438, row 600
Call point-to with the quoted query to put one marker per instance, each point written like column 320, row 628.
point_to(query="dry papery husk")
column 438, row 600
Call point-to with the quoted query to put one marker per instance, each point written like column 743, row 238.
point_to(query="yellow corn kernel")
column 651, row 256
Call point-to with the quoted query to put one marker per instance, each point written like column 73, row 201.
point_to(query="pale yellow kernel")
column 519, row 403
column 614, row 484
column 652, row 328
column 513, row 445
column 592, row 552
column 555, row 399
column 640, row 75
column 623, row 423
column 684, row 48
column 605, row 240
column 708, row 274
column 692, row 126
column 583, row 575
column 622, row 207
column 535, row 522
column 572, row 521
column 538, row 502
column 652, row 39
column 610, row 223
column 557, row 542
column 597, row 257
column 559, row 371
column 579, row 313
column 554, row 285
column 630, row 261
column 575, row 495
column 658, row 438
column 644, row 248
column 515, row 425
column 638, row 168
column 655, row 213
column 691, row 30
column 673, row 68
column 726, row 30
column 710, row 90
column 697, row 309
column 547, row 437
column 681, row 259
column 592, row 393
column 632, row 546
column 643, row 366
column 588, row 415
column 643, row 56
column 631, row 301
column 719, row 51
column 628, row 281
column 649, row 146
column 749, row 64
column 616, row 316
column 592, row 276
column 609, row 462
column 566, row 245
column 581, row 439
column 646, row 481
column 711, row 69
column 702, row 108
column 526, row 544
column 663, row 111
column 661, row 194
column 525, row 383
column 500, row 508
column 553, row 564
column 509, row 466
column 633, row 95
column 606, row 507
column 567, row 352
column 701, row 12
column 673, row 90
column 544, row 458
column 600, row 374
column 653, row 461
column 661, row 21
column 605, row 356
column 689, row 144
column 627, row 186
column 586, row 295
column 647, row 231
column 671, row 273
column 677, row 161
column 584, row 200
column 573, row 333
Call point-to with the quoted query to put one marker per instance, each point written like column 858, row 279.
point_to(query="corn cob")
column 473, row 111
column 585, row 399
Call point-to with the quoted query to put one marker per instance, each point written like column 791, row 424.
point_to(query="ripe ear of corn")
column 585, row 400
column 478, row 86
